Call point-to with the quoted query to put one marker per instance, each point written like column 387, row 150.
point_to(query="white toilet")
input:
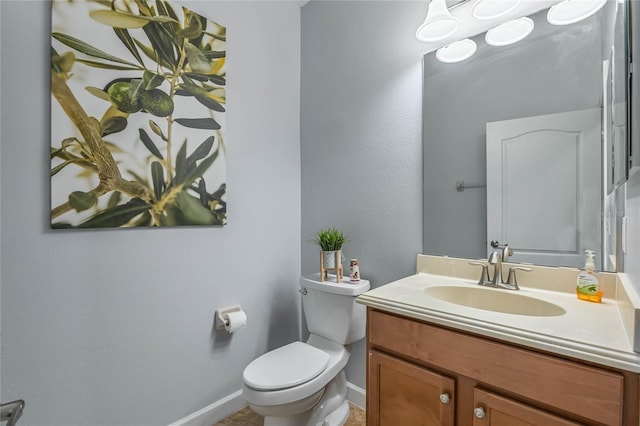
column 303, row 384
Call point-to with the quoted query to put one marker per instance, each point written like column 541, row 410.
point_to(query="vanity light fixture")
column 457, row 51
column 510, row 32
column 491, row 9
column 439, row 23
column 571, row 11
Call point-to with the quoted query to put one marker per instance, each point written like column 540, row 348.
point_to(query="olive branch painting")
column 137, row 112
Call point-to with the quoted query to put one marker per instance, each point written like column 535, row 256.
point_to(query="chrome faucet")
column 495, row 259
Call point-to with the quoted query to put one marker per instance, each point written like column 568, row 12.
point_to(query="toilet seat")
column 286, row 367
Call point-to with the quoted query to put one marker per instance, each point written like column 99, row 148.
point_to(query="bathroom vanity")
column 537, row 356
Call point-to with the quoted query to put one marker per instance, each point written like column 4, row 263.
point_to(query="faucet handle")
column 512, row 280
column 484, row 278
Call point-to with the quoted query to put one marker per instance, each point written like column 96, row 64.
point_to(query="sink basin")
column 496, row 300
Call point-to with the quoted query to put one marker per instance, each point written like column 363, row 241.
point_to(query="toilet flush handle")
column 303, row 291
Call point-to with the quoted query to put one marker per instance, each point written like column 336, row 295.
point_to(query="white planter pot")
column 329, row 258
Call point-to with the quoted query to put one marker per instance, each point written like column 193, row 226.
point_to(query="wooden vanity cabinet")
column 423, row 374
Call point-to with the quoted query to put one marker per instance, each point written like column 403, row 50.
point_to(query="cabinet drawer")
column 590, row 392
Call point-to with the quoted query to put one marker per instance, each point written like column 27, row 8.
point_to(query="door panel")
column 406, row 394
column 544, row 185
column 501, row 411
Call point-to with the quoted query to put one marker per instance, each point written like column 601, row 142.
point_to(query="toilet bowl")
column 304, row 384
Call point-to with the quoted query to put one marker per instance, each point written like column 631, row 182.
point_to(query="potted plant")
column 330, row 241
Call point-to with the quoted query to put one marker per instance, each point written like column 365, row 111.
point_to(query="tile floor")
column 246, row 417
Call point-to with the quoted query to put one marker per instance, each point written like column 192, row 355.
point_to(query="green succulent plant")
column 330, row 239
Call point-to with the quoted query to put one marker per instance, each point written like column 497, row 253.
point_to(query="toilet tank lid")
column 288, row 366
column 344, row 287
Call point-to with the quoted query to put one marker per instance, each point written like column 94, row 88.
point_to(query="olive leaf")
column 148, row 143
column 199, row 123
column 127, row 40
column 114, row 199
column 215, row 54
column 200, row 77
column 216, row 36
column 201, row 94
column 102, row 65
column 119, row 19
column 181, row 163
column 197, row 61
column 157, row 176
column 193, row 29
column 202, row 191
column 118, row 215
column 64, row 62
column 151, row 80
column 59, row 167
column 112, row 125
column 201, row 151
column 162, row 43
column 210, row 103
column 55, row 58
column 216, row 79
column 193, row 211
column 151, row 53
column 201, row 169
column 81, row 201
column 87, row 49
column 157, row 130
column 97, row 92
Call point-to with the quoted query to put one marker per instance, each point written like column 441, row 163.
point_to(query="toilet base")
column 331, row 410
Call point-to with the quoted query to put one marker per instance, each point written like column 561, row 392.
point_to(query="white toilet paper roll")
column 235, row 321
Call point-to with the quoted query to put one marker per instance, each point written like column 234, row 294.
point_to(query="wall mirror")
column 527, row 143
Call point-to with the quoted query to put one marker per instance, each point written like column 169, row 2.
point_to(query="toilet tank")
column 331, row 310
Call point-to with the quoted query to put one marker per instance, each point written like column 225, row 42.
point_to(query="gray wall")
column 559, row 72
column 114, row 327
column 361, row 133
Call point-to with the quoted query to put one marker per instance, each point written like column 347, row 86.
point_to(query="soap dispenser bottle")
column 588, row 287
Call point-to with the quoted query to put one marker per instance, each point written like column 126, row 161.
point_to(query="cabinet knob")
column 444, row 398
column 478, row 412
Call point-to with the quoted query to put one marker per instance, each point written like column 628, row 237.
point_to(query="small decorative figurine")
column 354, row 271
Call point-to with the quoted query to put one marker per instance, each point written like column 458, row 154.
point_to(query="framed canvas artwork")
column 137, row 115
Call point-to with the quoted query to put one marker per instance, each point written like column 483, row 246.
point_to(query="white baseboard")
column 215, row 412
column 356, row 395
column 228, row 405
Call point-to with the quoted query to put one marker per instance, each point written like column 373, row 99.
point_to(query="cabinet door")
column 401, row 393
column 495, row 410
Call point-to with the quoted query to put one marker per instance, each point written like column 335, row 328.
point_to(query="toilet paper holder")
column 221, row 312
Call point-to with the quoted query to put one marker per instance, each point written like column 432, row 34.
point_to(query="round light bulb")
column 457, row 51
column 572, row 11
column 491, row 9
column 509, row 32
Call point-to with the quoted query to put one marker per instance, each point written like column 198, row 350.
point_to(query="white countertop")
column 588, row 331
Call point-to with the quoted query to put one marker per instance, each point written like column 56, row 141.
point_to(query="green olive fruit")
column 120, row 96
column 156, row 102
